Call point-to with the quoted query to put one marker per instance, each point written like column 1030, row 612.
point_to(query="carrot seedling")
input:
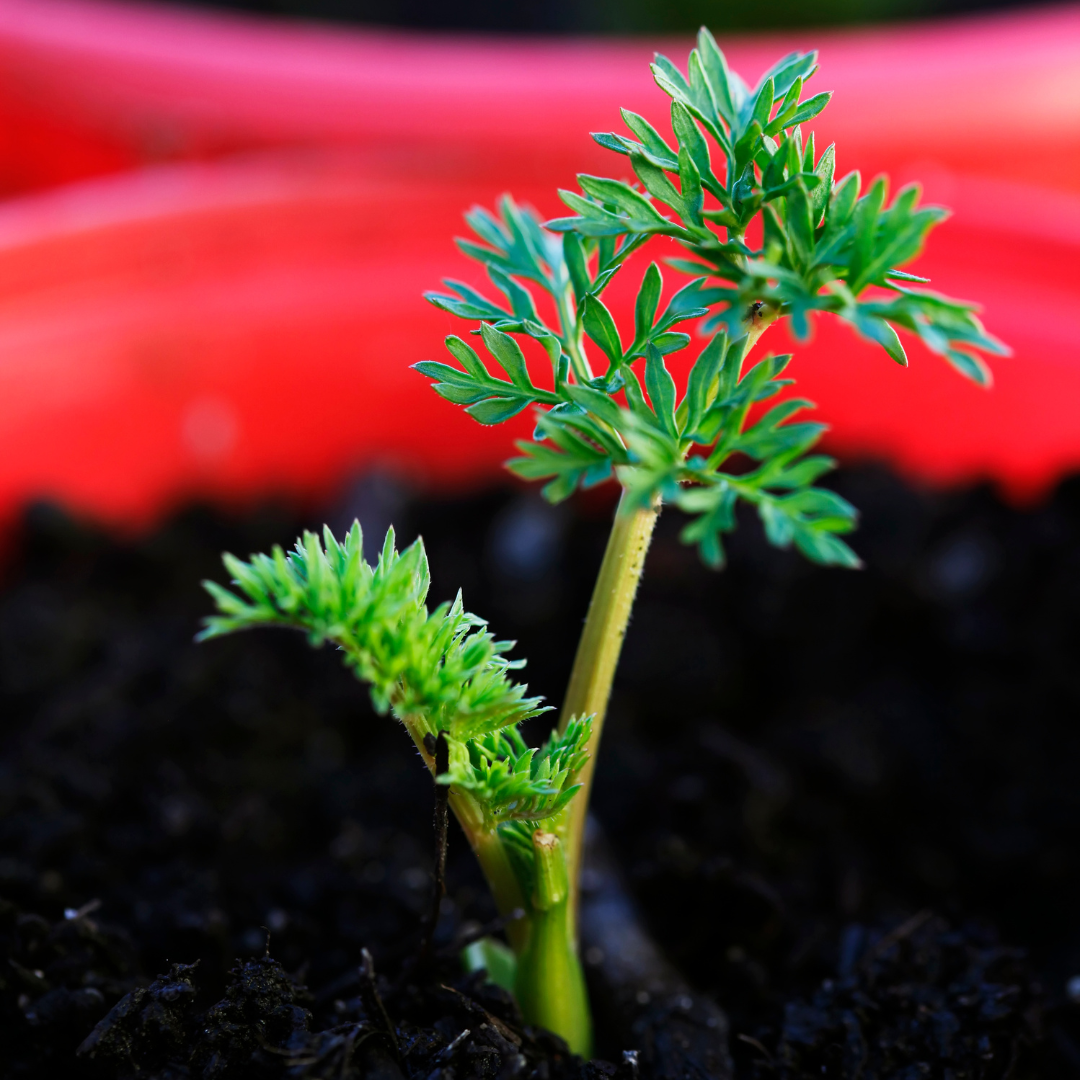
column 735, row 157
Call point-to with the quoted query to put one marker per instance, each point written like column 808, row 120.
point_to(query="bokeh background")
column 217, row 224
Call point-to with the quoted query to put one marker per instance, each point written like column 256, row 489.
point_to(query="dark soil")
column 847, row 804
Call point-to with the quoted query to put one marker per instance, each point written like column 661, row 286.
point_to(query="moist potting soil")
column 843, row 806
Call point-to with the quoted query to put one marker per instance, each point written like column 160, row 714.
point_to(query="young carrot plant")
column 735, row 157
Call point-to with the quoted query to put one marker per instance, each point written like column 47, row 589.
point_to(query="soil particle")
column 56, row 980
column 922, row 1000
column 261, row 1014
column 149, row 1027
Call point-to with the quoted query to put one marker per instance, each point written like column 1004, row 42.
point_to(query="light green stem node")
column 551, row 881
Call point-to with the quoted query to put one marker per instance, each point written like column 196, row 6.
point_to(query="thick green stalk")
column 550, row 985
column 605, row 627
column 598, row 656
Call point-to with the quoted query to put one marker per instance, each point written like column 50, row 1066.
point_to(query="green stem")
column 598, row 655
column 550, row 985
column 571, row 337
column 605, row 627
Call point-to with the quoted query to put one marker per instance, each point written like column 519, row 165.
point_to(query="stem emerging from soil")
column 550, row 985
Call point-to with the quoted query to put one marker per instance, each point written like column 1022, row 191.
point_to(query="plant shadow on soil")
column 847, row 804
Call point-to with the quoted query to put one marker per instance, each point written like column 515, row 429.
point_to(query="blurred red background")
column 216, row 232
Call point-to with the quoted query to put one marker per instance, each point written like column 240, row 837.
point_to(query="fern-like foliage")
column 438, row 670
column 823, row 244
column 612, row 409
column 517, row 782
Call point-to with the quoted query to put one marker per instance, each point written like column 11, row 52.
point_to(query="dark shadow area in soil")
column 847, row 804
